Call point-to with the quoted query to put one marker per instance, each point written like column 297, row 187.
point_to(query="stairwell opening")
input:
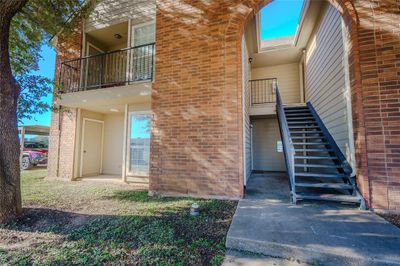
column 312, row 66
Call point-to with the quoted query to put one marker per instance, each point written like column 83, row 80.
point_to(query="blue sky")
column 46, row 69
column 280, row 18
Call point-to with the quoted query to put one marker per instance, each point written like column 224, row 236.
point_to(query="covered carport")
column 31, row 130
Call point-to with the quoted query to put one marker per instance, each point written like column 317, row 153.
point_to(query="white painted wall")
column 288, row 80
column 326, row 86
column 113, row 143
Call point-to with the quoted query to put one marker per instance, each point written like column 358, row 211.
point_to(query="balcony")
column 262, row 96
column 110, row 69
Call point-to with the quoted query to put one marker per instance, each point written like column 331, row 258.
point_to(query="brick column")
column 196, row 146
column 63, row 125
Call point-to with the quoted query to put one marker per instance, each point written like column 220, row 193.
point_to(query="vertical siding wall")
column 266, row 134
column 246, row 113
column 288, row 79
column 325, row 80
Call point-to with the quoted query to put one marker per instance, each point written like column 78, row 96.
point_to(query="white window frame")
column 128, row 143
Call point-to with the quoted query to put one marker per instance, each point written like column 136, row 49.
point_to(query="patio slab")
column 318, row 233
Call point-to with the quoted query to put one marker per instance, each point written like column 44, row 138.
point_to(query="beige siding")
column 265, row 136
column 109, row 12
column 113, row 144
column 288, row 79
column 246, row 113
column 325, row 79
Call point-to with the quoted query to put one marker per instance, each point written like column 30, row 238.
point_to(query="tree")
column 24, row 26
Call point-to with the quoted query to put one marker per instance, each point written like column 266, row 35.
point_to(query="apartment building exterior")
column 182, row 95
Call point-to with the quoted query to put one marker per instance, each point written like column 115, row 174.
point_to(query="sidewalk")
column 314, row 232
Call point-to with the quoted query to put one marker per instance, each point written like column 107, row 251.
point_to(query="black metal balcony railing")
column 115, row 68
column 263, row 90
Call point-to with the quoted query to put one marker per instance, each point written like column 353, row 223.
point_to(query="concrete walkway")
column 316, row 233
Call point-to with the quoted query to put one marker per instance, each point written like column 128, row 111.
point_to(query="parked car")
column 33, row 154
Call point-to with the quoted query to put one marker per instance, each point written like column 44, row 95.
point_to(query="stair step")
column 314, row 150
column 296, row 110
column 317, row 165
column 308, row 137
column 316, row 157
column 305, row 127
column 328, row 197
column 310, row 143
column 298, row 114
column 301, row 122
column 306, row 132
column 324, row 185
column 322, row 175
column 300, row 118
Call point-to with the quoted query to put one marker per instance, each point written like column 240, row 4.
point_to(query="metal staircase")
column 317, row 169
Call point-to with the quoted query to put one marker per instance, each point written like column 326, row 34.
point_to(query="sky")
column 46, row 69
column 279, row 18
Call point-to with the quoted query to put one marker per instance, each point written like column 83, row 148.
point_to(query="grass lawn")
column 87, row 223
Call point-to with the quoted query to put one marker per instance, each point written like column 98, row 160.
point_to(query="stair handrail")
column 342, row 159
column 288, row 147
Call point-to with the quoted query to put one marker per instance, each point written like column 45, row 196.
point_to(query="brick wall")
column 196, row 143
column 379, row 55
column 63, row 124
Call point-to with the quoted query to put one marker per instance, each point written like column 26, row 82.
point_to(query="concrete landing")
column 317, row 233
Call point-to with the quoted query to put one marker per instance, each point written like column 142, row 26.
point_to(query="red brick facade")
column 63, row 124
column 197, row 136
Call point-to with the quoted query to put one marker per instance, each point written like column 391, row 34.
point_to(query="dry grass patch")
column 69, row 223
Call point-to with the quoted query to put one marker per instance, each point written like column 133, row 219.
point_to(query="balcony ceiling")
column 108, row 100
column 105, row 36
column 282, row 53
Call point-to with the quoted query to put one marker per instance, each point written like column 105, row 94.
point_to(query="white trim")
column 83, row 143
column 251, row 146
column 244, row 82
column 89, row 44
column 128, row 156
column 124, row 145
column 299, row 28
column 133, row 27
column 78, row 140
column 128, row 57
column 348, row 96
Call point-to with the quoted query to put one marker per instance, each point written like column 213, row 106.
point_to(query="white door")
column 92, row 148
column 139, row 144
column 142, row 57
column 93, row 66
